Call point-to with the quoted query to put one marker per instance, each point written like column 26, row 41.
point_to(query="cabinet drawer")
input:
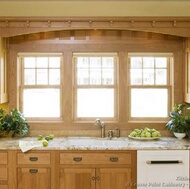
column 95, row 158
column 33, row 158
column 3, row 158
column 3, row 174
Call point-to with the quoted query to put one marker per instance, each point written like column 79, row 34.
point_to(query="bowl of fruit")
column 145, row 134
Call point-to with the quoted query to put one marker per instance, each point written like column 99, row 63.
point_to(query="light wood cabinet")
column 3, row 71
column 33, row 178
column 114, row 178
column 92, row 170
column 35, row 170
column 77, row 178
column 3, row 170
column 67, row 169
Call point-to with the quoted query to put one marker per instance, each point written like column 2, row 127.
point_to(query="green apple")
column 45, row 143
column 133, row 134
column 51, row 136
column 47, row 138
column 40, row 137
column 147, row 134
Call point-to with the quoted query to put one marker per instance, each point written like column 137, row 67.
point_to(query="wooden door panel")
column 77, row 178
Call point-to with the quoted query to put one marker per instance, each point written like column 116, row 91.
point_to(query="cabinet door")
column 33, row 178
column 3, row 170
column 77, row 178
column 115, row 178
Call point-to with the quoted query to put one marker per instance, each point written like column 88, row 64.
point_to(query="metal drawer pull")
column 33, row 170
column 114, row 159
column 77, row 159
column 164, row 162
column 33, row 158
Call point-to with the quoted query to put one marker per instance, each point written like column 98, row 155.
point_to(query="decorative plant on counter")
column 14, row 122
column 180, row 119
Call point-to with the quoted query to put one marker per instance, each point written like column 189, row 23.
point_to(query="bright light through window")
column 41, row 86
column 41, row 102
column 95, row 103
column 149, row 85
column 149, row 102
column 95, row 85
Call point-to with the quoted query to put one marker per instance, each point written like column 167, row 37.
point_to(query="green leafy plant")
column 179, row 119
column 14, row 122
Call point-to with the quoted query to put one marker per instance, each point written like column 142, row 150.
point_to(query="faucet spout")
column 102, row 126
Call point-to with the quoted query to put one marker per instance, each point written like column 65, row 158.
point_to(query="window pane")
column 148, row 76
column 54, row 76
column 41, row 102
column 29, row 77
column 54, row 62
column 95, row 103
column 149, row 102
column 136, row 76
column 95, row 62
column 42, row 62
column 161, row 62
column 161, row 77
column 82, row 62
column 95, row 76
column 29, row 62
column 42, row 77
column 148, row 62
column 107, row 62
column 107, row 76
column 136, row 62
column 82, row 77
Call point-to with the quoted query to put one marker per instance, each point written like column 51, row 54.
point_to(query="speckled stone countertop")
column 92, row 143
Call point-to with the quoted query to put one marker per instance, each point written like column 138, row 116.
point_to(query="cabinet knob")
column 97, row 178
column 33, row 170
column 77, row 159
column 114, row 159
column 93, row 178
column 33, row 158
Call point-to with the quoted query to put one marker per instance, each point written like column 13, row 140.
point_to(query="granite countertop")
column 92, row 143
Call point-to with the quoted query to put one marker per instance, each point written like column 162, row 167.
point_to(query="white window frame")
column 22, row 86
column 168, row 86
column 114, row 86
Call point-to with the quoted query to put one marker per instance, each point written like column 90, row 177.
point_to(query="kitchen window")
column 150, row 85
column 40, row 85
column 95, row 86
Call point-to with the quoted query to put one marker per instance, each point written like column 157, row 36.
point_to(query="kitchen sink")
column 94, row 142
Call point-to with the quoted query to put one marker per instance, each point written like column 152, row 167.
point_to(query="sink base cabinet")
column 117, row 170
column 96, row 178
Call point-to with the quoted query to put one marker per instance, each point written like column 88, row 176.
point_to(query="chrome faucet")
column 110, row 134
column 102, row 126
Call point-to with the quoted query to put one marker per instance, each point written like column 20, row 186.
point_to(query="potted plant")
column 179, row 122
column 14, row 123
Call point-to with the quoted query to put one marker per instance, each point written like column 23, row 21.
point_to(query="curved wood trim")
column 13, row 26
